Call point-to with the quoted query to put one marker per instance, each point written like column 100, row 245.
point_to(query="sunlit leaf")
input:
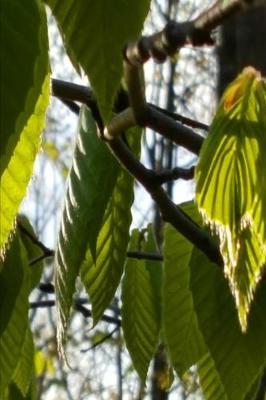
column 43, row 363
column 25, row 86
column 90, row 184
column 182, row 334
column 210, row 382
column 140, row 312
column 102, row 278
column 95, row 33
column 238, row 357
column 231, row 184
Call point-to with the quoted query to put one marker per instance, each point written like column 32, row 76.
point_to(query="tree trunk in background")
column 243, row 44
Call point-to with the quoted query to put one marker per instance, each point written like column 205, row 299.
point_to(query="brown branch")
column 180, row 118
column 176, row 35
column 78, row 304
column 101, row 341
column 153, row 117
column 46, row 251
column 170, row 212
column 175, row 173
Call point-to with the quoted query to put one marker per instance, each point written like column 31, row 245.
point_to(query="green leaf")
column 102, row 278
column 210, row 382
column 13, row 336
column 154, row 268
column 182, row 334
column 231, row 184
column 140, row 313
column 255, row 387
column 25, row 368
column 94, row 34
column 11, row 277
column 238, row 357
column 25, row 85
column 90, row 185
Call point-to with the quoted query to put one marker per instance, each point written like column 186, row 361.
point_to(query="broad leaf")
column 90, row 185
column 25, row 86
column 102, row 278
column 210, row 382
column 238, row 357
column 154, row 267
column 231, row 184
column 13, row 336
column 95, row 33
column 140, row 312
column 182, row 335
column 25, row 368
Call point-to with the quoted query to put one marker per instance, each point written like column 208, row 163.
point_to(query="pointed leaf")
column 182, row 335
column 140, row 313
column 231, row 184
column 210, row 382
column 155, row 268
column 26, row 89
column 238, row 357
column 25, row 368
column 101, row 279
column 90, row 185
column 95, row 33
column 13, row 336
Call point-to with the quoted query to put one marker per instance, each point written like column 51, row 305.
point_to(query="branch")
column 152, row 116
column 101, row 341
column 46, row 251
column 145, row 113
column 176, row 35
column 143, row 255
column 78, row 304
column 170, row 212
column 175, row 173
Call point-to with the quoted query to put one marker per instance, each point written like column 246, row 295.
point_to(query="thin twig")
column 46, row 251
column 78, row 304
column 101, row 341
column 143, row 255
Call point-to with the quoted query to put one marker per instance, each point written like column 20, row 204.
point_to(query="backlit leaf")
column 231, row 184
column 210, row 382
column 25, row 87
column 95, row 33
column 238, row 357
column 102, row 278
column 90, row 184
column 182, row 334
column 140, row 312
